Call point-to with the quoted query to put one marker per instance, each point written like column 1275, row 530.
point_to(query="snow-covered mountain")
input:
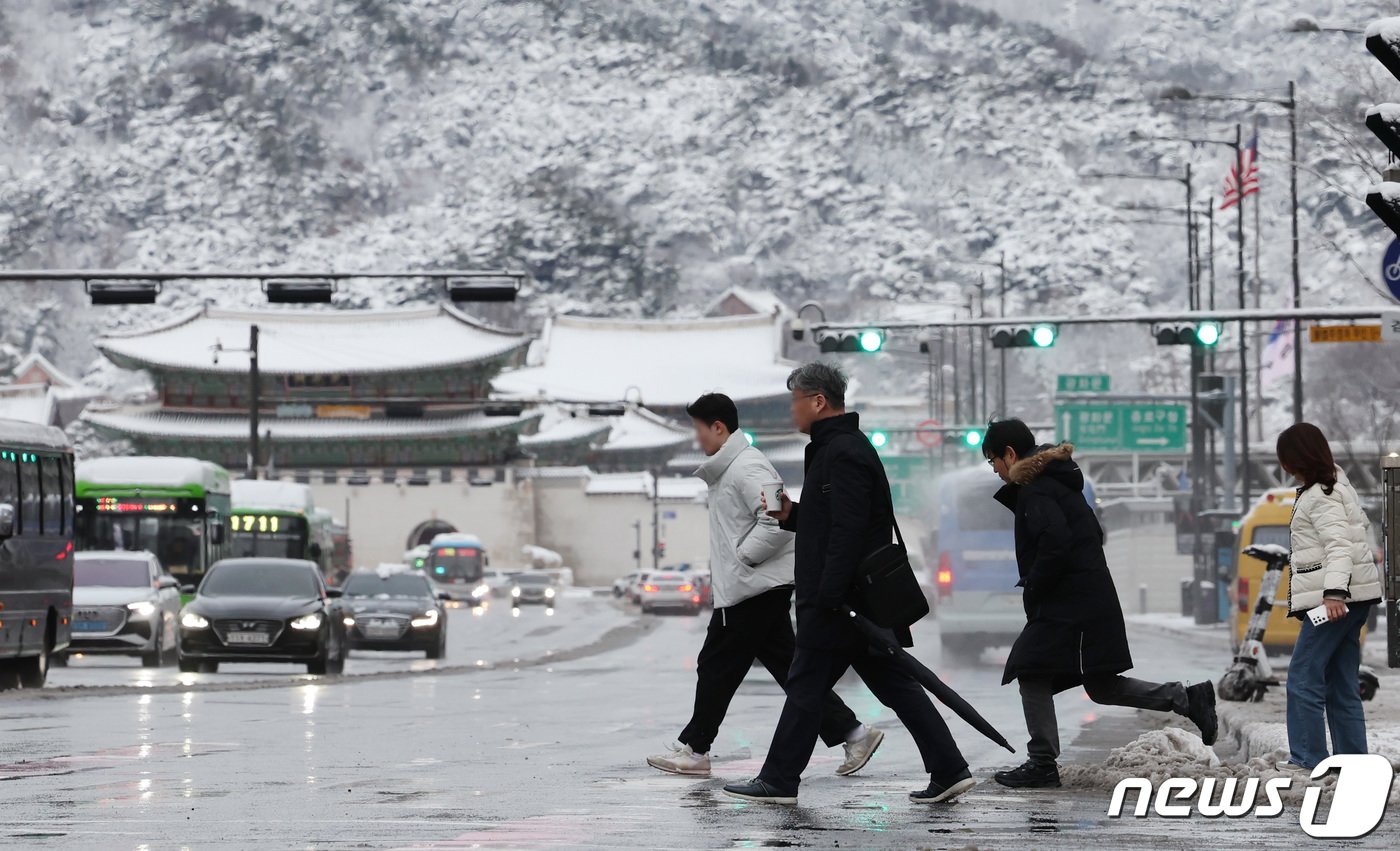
column 636, row 158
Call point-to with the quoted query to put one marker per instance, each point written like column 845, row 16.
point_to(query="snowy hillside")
column 637, row 158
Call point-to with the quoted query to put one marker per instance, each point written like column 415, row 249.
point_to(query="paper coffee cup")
column 773, row 495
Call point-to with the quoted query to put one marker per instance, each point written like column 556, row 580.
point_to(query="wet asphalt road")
column 541, row 744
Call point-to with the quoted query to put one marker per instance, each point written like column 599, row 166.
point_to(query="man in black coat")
column 846, row 514
column 1074, row 631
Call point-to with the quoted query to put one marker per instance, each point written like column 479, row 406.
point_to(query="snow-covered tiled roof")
column 667, row 488
column 32, row 403
column 670, row 362
column 760, row 302
column 37, row 363
column 315, row 341
column 639, row 429
column 236, row 428
column 566, row 430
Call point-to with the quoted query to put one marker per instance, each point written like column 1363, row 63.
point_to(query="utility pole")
column 655, row 521
column 254, row 402
column 1292, row 106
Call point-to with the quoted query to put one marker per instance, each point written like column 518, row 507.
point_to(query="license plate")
column 89, row 626
column 381, row 631
column 249, row 638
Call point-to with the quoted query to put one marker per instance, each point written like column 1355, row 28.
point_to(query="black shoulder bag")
column 888, row 591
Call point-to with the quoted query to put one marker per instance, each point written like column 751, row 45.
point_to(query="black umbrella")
column 884, row 640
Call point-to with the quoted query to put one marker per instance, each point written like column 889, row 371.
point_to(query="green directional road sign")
column 1082, row 383
column 1123, row 427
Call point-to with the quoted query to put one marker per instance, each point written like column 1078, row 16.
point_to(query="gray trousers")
column 1038, row 701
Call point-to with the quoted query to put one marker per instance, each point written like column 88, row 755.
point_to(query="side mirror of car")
column 443, row 595
column 335, row 592
column 169, row 582
column 216, row 534
column 314, row 550
column 7, row 520
column 186, row 589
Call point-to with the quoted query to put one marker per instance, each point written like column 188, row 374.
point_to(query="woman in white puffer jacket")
column 1331, row 565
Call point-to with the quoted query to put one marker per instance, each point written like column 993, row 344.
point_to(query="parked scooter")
column 1250, row 675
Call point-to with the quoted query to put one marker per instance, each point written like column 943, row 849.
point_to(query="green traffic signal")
column 973, row 438
column 879, row 439
column 1208, row 333
column 1043, row 336
column 871, row 341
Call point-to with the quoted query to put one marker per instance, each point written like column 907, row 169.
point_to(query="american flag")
column 1250, row 155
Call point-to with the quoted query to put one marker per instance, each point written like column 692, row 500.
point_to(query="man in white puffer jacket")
column 1331, row 565
column 751, row 571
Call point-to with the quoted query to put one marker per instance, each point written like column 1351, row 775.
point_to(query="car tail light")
column 648, row 587
column 695, row 599
column 1244, row 594
column 945, row 575
column 686, row 589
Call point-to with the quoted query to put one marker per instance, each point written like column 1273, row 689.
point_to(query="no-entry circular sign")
column 928, row 434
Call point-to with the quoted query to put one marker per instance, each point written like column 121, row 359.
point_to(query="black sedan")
column 395, row 611
column 263, row 610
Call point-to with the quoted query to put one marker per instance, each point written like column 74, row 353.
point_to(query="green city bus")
column 279, row 520
column 176, row 508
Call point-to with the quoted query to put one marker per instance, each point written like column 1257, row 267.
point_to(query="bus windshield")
column 271, row 535
column 455, row 564
column 175, row 540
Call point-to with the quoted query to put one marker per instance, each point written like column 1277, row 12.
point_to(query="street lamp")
column 1000, row 266
column 1236, row 145
column 253, row 393
column 1290, row 103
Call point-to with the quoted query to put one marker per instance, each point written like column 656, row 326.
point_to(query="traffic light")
column 879, row 439
column 123, row 292
column 868, row 340
column 1041, row 336
column 973, row 438
column 1187, row 333
column 1383, row 40
column 1212, row 401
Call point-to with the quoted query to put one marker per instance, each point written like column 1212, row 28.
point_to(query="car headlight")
column 549, row 592
column 194, row 620
column 515, row 592
column 349, row 621
column 429, row 618
column 143, row 609
column 311, row 621
column 480, row 591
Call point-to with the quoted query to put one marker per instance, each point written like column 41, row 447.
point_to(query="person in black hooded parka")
column 1074, row 631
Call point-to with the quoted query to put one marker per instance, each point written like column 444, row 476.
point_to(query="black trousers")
column 814, row 672
column 758, row 628
column 1038, row 702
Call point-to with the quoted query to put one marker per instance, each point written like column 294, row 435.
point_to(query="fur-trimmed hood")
column 1047, row 458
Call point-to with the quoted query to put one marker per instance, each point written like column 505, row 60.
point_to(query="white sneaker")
column 858, row 753
column 681, row 760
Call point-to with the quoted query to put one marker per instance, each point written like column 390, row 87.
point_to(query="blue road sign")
column 1390, row 269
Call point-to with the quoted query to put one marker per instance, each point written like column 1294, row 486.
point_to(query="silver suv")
column 124, row 603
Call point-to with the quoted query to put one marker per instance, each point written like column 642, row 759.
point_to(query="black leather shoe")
column 757, row 790
column 1030, row 775
column 944, row 790
column 1201, row 710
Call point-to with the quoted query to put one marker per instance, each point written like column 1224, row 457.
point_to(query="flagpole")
column 1244, row 329
column 1258, row 287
